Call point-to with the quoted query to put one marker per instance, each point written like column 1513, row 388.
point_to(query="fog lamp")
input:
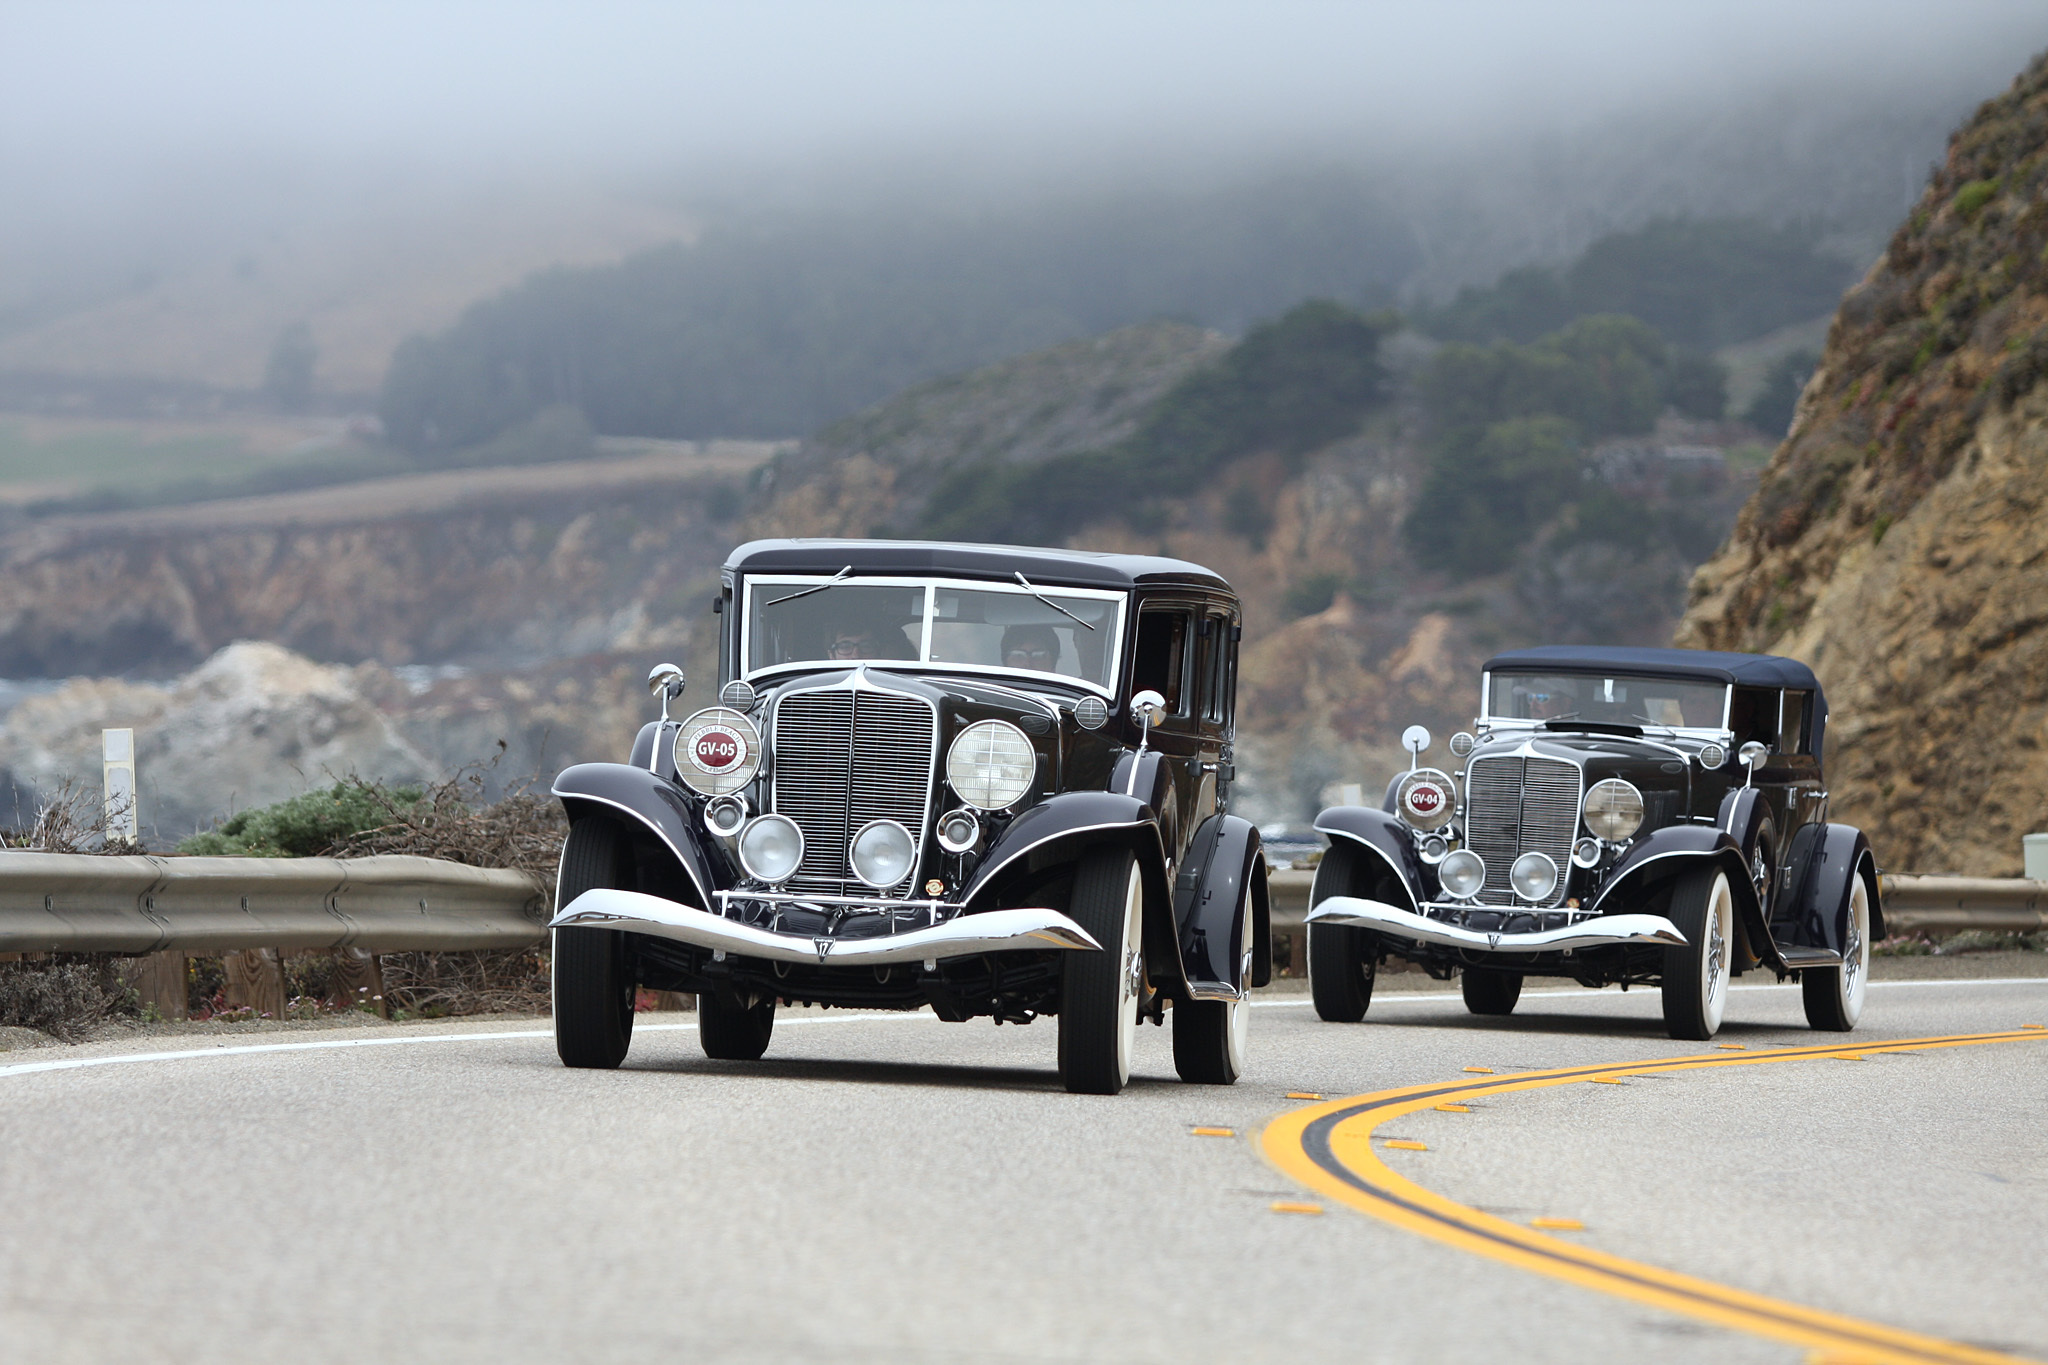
column 883, row 853
column 1462, row 874
column 1533, row 876
column 771, row 848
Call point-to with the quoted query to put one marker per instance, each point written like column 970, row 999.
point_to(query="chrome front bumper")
column 1598, row 931
column 991, row 931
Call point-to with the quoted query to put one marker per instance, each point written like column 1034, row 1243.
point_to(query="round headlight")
column 1533, row 876
column 1426, row 798
column 883, row 853
column 1463, row 874
column 1614, row 809
column 991, row 764
column 959, row 831
column 771, row 848
column 718, row 751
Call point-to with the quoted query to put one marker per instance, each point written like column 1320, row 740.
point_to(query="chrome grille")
column 1516, row 804
column 844, row 756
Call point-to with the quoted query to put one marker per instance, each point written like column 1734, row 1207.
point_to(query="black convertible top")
column 1001, row 563
column 1751, row 670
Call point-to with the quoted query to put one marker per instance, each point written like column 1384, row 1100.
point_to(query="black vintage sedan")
column 1633, row 816
column 989, row 780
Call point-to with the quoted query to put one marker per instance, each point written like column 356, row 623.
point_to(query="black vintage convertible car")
column 989, row 780
column 1641, row 816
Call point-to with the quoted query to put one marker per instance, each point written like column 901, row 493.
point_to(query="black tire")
column 1209, row 1035
column 1490, row 991
column 1834, row 995
column 732, row 1032
column 1696, row 976
column 1343, row 960
column 593, row 974
column 1098, row 996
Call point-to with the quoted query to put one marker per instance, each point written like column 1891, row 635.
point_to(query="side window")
column 1219, row 653
column 1753, row 714
column 1161, row 659
column 1792, row 723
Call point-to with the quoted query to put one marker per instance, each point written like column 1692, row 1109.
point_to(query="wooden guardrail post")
column 359, row 980
column 256, row 981
column 159, row 982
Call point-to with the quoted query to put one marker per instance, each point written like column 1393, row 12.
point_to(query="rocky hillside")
column 1350, row 635
column 490, row 567
column 1899, row 538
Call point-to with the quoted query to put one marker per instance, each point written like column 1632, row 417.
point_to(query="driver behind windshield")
column 1035, row 647
column 868, row 639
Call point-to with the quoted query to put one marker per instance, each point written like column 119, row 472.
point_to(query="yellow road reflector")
column 1481, row 1070
column 1455, row 1108
column 1848, row 1056
column 1286, row 1206
column 2034, row 1025
column 1405, row 1145
column 1733, row 1047
column 1213, row 1132
column 1303, row 1095
column 1558, row 1224
column 1607, row 1080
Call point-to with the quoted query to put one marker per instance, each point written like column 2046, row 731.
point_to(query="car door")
column 1165, row 659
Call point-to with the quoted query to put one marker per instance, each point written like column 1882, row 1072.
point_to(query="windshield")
column 1070, row 632
column 1616, row 700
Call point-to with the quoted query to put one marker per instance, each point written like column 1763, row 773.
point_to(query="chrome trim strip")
column 992, row 931
column 874, row 903
column 681, row 857
column 1611, row 883
column 988, row 870
column 1335, row 833
column 1601, row 931
column 1214, row 990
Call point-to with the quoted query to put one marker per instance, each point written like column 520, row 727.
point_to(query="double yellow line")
column 1328, row 1147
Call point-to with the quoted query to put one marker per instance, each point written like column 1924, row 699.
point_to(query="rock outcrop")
column 1898, row 540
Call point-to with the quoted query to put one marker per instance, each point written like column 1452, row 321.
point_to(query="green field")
column 44, row 458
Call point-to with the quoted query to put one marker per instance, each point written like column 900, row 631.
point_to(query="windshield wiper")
column 1049, row 602
column 815, row 587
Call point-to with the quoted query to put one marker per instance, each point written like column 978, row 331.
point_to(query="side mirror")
column 665, row 681
column 1148, row 708
column 1415, row 739
column 1751, row 756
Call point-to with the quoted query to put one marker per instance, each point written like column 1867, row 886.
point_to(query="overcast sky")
column 86, row 84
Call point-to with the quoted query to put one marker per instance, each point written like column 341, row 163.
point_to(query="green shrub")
column 302, row 826
column 1314, row 593
column 1971, row 198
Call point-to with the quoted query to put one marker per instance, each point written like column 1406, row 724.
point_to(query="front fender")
column 1384, row 839
column 651, row 806
column 1225, row 868
column 1664, row 854
column 1821, row 891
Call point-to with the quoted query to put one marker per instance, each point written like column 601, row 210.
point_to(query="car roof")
column 1001, row 563
column 1751, row 670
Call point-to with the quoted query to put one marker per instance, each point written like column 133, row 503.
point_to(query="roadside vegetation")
column 69, row 995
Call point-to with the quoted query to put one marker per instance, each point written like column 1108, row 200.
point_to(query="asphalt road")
column 893, row 1188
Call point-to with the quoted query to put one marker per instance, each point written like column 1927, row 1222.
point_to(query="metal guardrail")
column 75, row 903
column 78, row 903
column 1913, row 902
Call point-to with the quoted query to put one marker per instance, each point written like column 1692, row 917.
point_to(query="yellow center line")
column 1304, row 1145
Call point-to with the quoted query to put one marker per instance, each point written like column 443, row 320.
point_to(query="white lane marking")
column 80, row 1063
column 1411, row 997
